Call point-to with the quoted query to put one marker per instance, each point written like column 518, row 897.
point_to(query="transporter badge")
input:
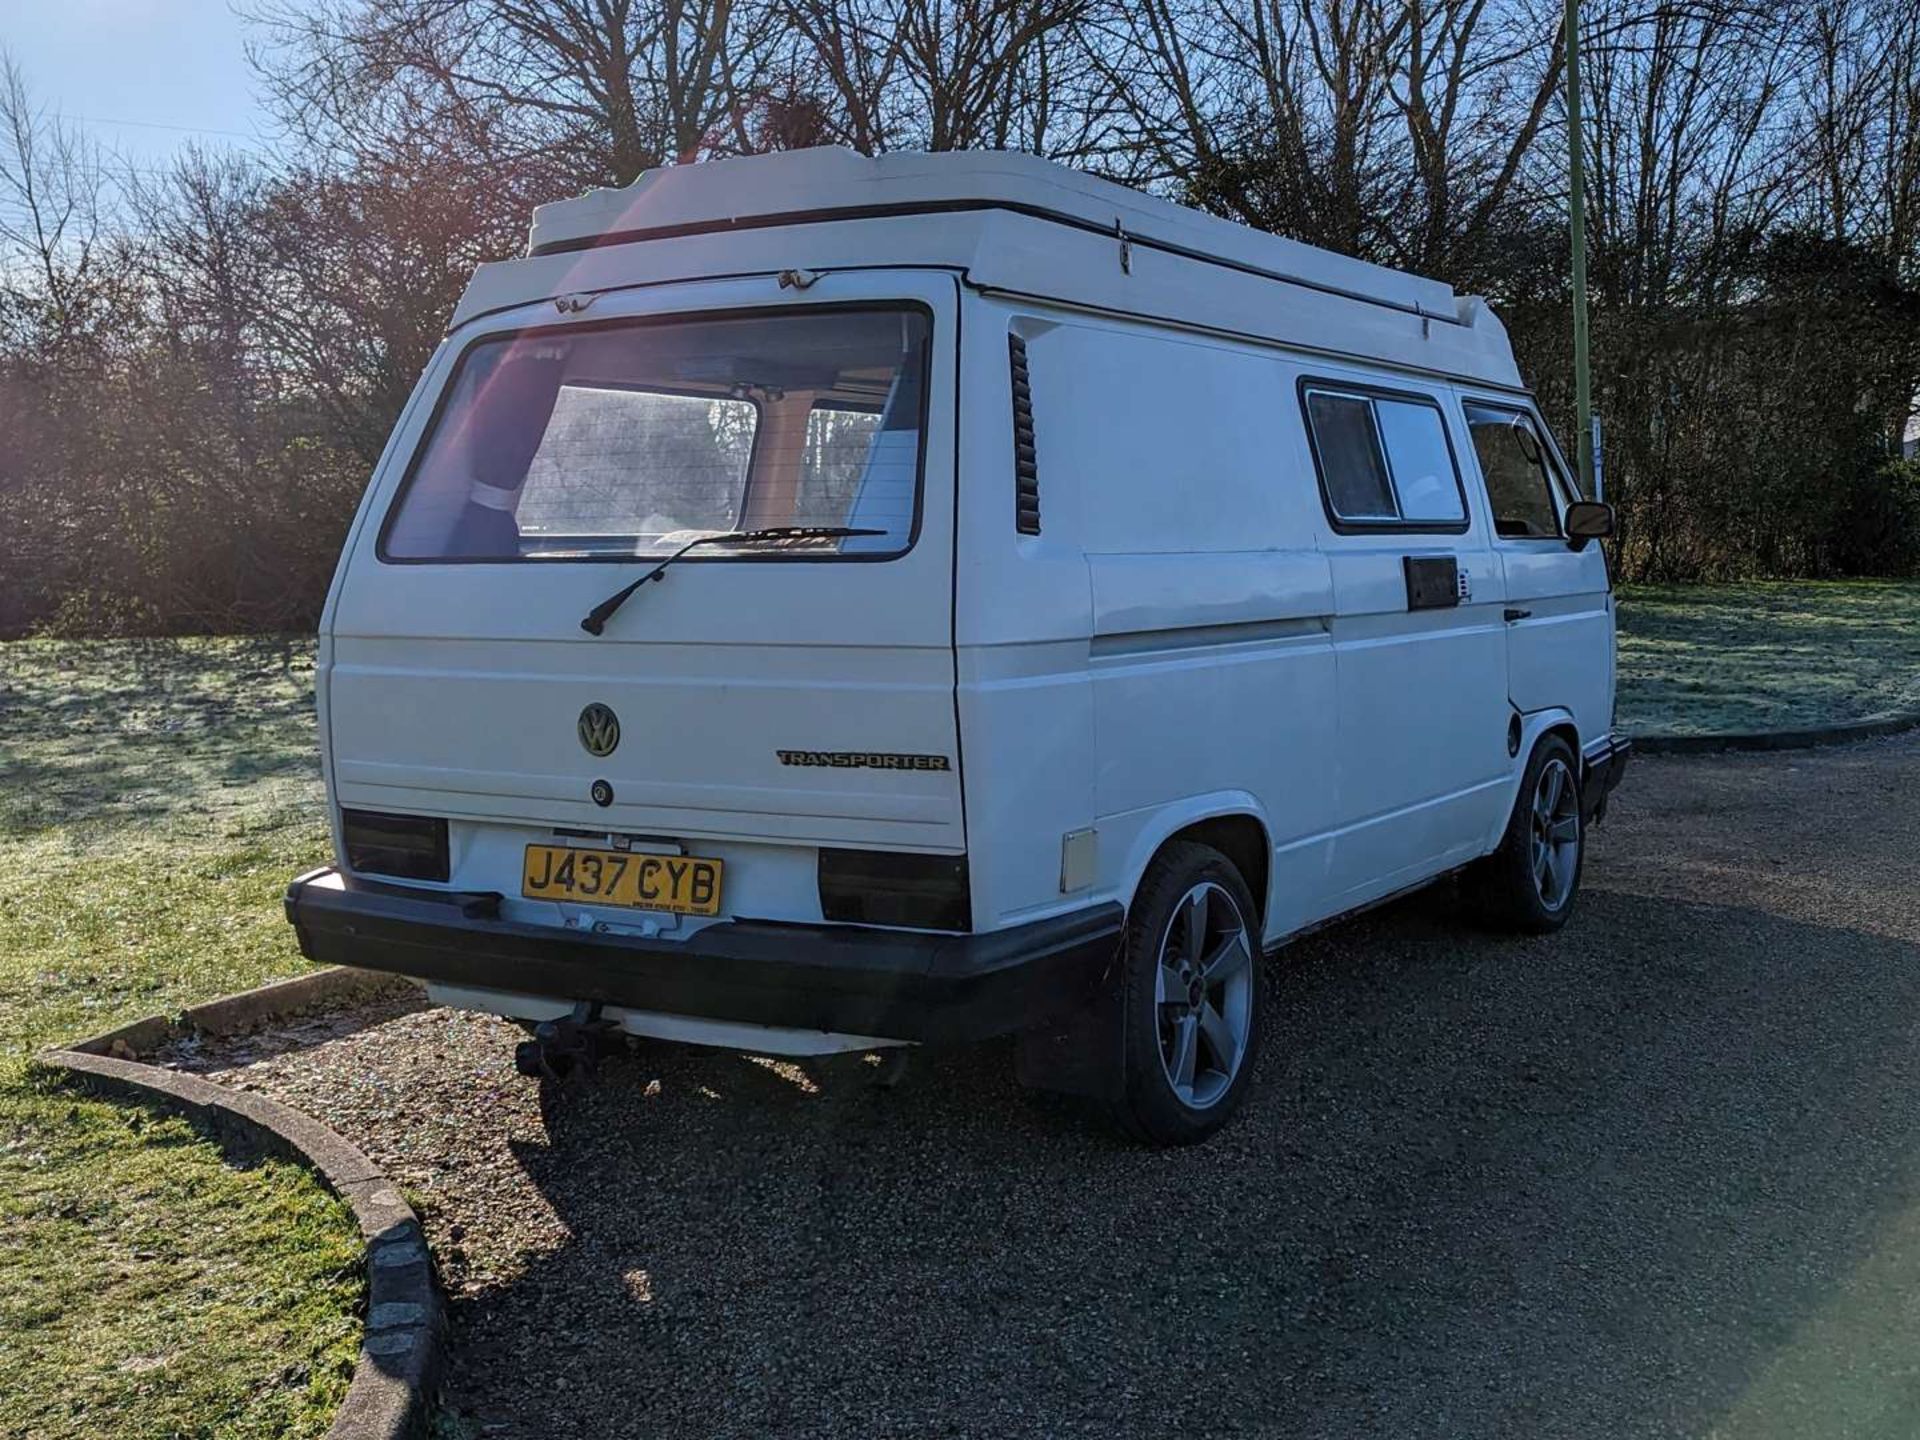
column 863, row 760
column 599, row 729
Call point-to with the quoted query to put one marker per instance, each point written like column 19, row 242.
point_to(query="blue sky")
column 146, row 76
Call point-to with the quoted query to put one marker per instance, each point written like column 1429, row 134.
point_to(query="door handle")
column 1513, row 615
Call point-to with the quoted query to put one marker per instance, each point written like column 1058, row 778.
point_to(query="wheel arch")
column 1566, row 731
column 1535, row 726
column 1234, row 823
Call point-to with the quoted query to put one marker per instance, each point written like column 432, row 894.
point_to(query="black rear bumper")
column 1604, row 768
column 895, row 984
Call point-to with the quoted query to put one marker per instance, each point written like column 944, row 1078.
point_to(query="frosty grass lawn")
column 154, row 798
column 1771, row 655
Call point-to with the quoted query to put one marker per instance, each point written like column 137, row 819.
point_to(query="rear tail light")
column 407, row 847
column 878, row 887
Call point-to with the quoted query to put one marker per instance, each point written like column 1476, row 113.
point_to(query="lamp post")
column 1577, row 221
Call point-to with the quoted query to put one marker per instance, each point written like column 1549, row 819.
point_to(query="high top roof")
column 796, row 186
column 1017, row 228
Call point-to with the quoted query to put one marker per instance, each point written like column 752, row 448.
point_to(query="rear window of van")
column 631, row 438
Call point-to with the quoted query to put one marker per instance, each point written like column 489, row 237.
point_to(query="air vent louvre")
column 1026, row 469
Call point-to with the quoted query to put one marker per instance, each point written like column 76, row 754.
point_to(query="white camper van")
column 820, row 603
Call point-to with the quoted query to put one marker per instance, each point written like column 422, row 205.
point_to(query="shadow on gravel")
column 1483, row 1187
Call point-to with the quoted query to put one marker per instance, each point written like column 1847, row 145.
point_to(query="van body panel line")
column 1197, row 636
column 1133, row 593
column 1440, row 372
column 897, row 984
column 841, row 804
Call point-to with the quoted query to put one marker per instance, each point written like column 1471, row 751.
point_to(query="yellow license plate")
column 681, row 884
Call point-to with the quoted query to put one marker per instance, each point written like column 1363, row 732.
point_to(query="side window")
column 1384, row 461
column 1352, row 467
column 1421, row 460
column 1514, row 462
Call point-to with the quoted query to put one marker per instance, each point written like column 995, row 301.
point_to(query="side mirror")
column 1588, row 520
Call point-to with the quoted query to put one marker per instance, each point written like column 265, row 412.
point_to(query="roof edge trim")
column 947, row 207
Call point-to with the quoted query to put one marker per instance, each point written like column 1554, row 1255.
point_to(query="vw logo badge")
column 599, row 729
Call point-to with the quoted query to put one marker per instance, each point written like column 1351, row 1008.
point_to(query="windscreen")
column 632, row 438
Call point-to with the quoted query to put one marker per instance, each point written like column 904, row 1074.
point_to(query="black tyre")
column 1530, row 883
column 1189, row 998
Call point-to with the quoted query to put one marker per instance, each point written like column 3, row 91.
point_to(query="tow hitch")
column 569, row 1046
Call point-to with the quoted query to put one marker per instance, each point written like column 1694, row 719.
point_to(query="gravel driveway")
column 1658, row 1175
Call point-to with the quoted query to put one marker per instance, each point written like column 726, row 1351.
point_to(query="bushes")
column 150, row 509
column 182, row 453
column 1876, row 525
column 1746, row 438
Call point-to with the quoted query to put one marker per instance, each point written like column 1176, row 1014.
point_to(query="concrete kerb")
column 334, row 988
column 400, row 1346
column 1801, row 739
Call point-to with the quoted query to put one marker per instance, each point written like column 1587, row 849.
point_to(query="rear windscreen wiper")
column 597, row 617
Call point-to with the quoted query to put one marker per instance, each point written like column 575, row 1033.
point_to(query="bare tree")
column 1398, row 131
column 1473, row 87
column 1861, row 95
column 939, row 74
column 52, row 213
column 1687, row 144
column 604, row 88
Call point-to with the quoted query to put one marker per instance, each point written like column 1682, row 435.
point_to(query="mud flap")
column 1079, row 1052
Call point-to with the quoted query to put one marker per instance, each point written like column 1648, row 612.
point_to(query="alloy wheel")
column 1555, row 833
column 1203, row 995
